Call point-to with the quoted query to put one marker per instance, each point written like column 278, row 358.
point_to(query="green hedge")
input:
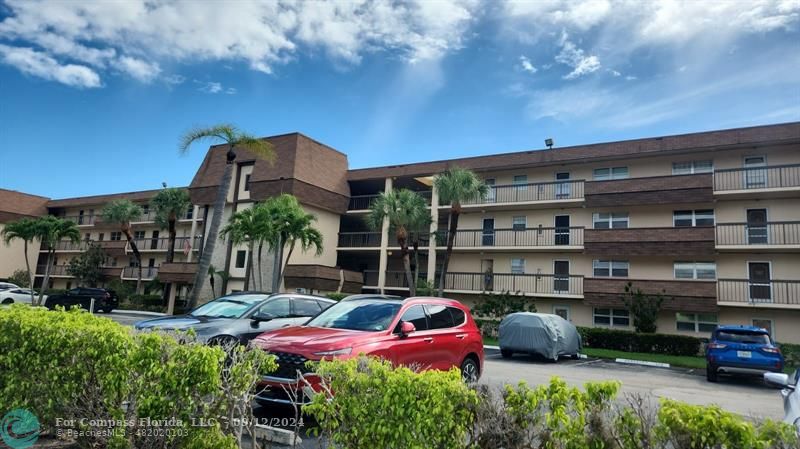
column 61, row 365
column 336, row 296
column 791, row 353
column 618, row 340
column 147, row 300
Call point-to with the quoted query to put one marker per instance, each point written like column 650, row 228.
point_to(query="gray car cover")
column 539, row 333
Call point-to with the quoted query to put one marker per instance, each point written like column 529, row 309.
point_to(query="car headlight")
column 343, row 351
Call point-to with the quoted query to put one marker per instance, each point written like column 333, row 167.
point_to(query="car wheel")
column 576, row 356
column 711, row 373
column 8, row 301
column 470, row 370
column 107, row 310
column 506, row 353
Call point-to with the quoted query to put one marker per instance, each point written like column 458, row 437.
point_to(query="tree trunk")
column 213, row 236
column 276, row 269
column 402, row 241
column 170, row 258
column 50, row 255
column 211, row 283
column 126, row 229
column 30, row 274
column 248, row 269
column 415, row 245
column 455, row 210
column 285, row 264
column 260, row 271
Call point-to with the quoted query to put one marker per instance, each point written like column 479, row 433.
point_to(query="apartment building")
column 14, row 206
column 711, row 220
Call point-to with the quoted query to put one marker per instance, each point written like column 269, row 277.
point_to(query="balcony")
column 148, row 273
column 362, row 203
column 679, row 242
column 177, row 272
column 162, row 244
column 544, row 285
column 81, row 220
column 681, row 296
column 650, row 191
column 352, row 240
column 780, row 180
column 531, row 194
column 770, row 236
column 67, row 246
column 113, row 247
column 541, row 238
column 55, row 271
column 750, row 293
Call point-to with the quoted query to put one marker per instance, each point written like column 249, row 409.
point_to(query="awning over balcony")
column 177, row 272
column 113, row 247
column 679, row 296
column 319, row 277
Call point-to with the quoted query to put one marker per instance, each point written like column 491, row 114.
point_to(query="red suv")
column 432, row 333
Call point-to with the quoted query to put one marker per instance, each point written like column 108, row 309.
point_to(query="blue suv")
column 741, row 350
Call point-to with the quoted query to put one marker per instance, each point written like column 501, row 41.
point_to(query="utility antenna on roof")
column 549, row 143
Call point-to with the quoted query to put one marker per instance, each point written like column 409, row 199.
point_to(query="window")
column 696, row 322
column 116, row 235
column 610, row 220
column 440, row 317
column 87, row 236
column 758, row 322
column 607, row 174
column 247, row 183
column 100, row 237
column 416, row 316
column 190, row 213
column 458, row 316
column 138, row 235
column 695, row 270
column 519, row 223
column 611, row 317
column 562, row 311
column 689, row 218
column 517, row 266
column 521, row 181
column 610, row 268
column 306, row 307
column 241, row 257
column 691, row 167
column 278, row 307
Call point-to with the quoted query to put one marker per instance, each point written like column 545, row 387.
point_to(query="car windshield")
column 749, row 337
column 360, row 315
column 228, row 306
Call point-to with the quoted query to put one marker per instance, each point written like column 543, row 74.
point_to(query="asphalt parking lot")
column 745, row 396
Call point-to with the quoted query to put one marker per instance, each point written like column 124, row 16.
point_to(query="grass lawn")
column 674, row 360
column 491, row 341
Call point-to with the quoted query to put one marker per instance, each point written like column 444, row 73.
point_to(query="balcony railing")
column 774, row 177
column 162, row 243
column 532, row 192
column 359, row 239
column 133, row 272
column 56, row 270
column 81, row 220
column 775, row 233
column 363, row 202
column 542, row 284
column 561, row 236
column 66, row 245
column 756, row 292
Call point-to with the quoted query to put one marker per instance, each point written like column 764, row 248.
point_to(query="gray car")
column 240, row 317
column 791, row 395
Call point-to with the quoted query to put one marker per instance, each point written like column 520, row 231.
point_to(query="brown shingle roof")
column 611, row 150
column 15, row 205
column 142, row 195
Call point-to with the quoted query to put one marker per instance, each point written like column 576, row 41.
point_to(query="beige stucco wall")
column 12, row 256
column 784, row 266
column 777, row 210
column 328, row 224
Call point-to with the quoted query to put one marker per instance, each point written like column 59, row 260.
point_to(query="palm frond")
column 260, row 147
column 457, row 185
column 121, row 212
column 168, row 204
column 224, row 132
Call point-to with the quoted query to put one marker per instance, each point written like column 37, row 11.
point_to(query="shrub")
column 376, row 406
column 123, row 289
column 146, row 300
column 74, row 364
column 618, row 340
column 20, row 277
column 791, row 353
column 336, row 296
column 495, row 306
column 644, row 308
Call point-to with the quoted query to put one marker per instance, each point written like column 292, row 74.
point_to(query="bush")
column 495, row 306
column 791, row 353
column 379, row 407
column 77, row 365
column 618, row 340
column 123, row 289
column 20, row 277
column 336, row 296
column 146, row 300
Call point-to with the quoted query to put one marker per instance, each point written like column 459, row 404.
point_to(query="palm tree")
column 242, row 229
column 50, row 230
column 455, row 186
column 290, row 225
column 24, row 229
column 233, row 138
column 169, row 205
column 402, row 208
column 122, row 212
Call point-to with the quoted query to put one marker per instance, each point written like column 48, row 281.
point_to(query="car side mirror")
column 778, row 380
column 407, row 328
column 262, row 316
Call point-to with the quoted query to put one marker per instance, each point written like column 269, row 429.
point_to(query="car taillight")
column 771, row 350
column 717, row 346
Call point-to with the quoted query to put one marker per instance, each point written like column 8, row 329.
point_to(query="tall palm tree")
column 290, row 225
column 455, row 186
column 234, row 139
column 24, row 229
column 242, row 229
column 169, row 205
column 402, row 208
column 50, row 230
column 121, row 213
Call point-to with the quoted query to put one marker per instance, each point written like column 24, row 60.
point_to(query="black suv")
column 104, row 299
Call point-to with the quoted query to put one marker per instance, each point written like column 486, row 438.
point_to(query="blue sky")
column 94, row 95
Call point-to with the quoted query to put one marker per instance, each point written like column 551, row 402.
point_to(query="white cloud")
column 576, row 58
column 174, row 79
column 259, row 32
column 32, row 62
column 527, row 65
column 631, row 78
column 230, row 91
column 614, row 73
column 210, row 87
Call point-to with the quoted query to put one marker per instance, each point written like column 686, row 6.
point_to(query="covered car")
column 544, row 334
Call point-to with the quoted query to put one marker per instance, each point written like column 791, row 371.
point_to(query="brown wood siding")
column 652, row 190
column 680, row 296
column 649, row 242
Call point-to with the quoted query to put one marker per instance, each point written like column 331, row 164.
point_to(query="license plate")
column 744, row 354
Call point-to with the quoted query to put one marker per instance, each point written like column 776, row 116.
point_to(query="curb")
column 642, row 362
column 137, row 312
column 491, row 347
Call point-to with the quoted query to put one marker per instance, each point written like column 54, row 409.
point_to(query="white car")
column 21, row 295
column 7, row 286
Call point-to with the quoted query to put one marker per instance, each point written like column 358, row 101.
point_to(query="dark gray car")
column 242, row 316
